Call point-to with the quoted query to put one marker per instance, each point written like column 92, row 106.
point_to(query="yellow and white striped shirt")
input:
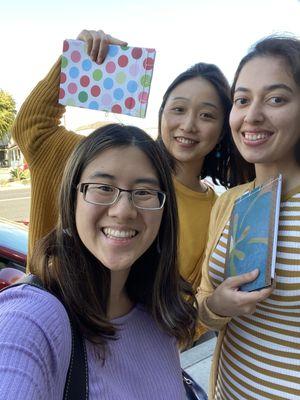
column 260, row 355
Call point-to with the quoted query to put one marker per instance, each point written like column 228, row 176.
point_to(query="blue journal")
column 253, row 234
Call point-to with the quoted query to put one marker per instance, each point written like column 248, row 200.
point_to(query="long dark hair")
column 286, row 48
column 82, row 282
column 220, row 164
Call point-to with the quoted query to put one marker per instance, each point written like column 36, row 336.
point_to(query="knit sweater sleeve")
column 35, row 345
column 207, row 317
column 219, row 217
column 37, row 127
column 46, row 146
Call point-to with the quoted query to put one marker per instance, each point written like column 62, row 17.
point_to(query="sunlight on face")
column 265, row 117
column 118, row 234
column 192, row 120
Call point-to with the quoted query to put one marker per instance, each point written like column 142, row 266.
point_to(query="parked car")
column 13, row 251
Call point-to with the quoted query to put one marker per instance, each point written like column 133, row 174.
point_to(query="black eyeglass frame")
column 83, row 187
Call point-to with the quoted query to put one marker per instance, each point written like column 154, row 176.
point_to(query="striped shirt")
column 260, row 355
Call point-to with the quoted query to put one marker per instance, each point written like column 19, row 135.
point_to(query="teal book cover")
column 253, row 232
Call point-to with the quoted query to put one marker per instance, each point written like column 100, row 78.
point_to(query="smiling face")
column 265, row 118
column 192, row 121
column 117, row 235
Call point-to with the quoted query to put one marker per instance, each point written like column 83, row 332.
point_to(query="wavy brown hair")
column 82, row 282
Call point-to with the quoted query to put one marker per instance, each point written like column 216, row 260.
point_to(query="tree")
column 7, row 112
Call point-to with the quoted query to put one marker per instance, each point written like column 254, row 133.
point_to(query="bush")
column 20, row 173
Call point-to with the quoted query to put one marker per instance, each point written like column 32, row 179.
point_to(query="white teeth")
column 115, row 233
column 185, row 140
column 255, row 136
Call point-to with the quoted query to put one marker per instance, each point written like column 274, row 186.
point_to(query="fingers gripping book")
column 253, row 232
column 121, row 84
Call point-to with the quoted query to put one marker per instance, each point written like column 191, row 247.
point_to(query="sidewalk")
column 5, row 176
column 14, row 185
column 4, row 173
column 197, row 361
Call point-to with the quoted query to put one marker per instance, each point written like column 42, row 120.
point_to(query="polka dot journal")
column 121, row 84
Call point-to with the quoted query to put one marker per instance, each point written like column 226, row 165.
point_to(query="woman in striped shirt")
column 258, row 351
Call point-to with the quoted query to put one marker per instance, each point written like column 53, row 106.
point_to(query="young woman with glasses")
column 193, row 128
column 111, row 261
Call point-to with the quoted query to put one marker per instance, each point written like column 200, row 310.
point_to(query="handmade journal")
column 253, row 234
column 121, row 84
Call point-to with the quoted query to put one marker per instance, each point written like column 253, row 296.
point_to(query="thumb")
column 239, row 280
column 113, row 40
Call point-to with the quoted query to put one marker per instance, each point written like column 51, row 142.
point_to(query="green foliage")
column 7, row 112
column 20, row 173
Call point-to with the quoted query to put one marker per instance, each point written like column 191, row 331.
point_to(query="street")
column 15, row 203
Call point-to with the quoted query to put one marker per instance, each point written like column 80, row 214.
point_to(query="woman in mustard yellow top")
column 194, row 130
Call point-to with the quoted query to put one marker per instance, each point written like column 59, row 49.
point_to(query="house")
column 4, row 151
column 10, row 154
column 87, row 129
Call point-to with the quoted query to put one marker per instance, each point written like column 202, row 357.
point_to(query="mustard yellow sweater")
column 46, row 146
column 194, row 213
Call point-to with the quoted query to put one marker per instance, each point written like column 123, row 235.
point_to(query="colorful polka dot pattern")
column 120, row 85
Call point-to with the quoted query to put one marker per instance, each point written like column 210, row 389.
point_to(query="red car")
column 13, row 251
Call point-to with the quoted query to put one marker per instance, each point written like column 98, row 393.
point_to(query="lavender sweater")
column 35, row 347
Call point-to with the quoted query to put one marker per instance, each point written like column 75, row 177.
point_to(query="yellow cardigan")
column 46, row 146
column 219, row 217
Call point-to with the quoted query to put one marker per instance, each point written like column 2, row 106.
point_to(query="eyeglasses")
column 105, row 195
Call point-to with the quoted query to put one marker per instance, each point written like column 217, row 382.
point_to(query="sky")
column 183, row 32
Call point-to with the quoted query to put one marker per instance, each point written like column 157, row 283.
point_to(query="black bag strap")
column 192, row 389
column 76, row 386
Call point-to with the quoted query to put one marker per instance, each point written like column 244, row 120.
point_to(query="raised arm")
column 45, row 143
column 37, row 126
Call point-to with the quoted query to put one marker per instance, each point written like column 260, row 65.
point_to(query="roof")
column 92, row 126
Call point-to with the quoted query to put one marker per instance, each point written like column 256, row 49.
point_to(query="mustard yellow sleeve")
column 46, row 146
column 37, row 125
column 196, row 275
column 215, row 198
column 206, row 316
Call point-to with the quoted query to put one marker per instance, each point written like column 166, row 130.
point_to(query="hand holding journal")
column 253, row 234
